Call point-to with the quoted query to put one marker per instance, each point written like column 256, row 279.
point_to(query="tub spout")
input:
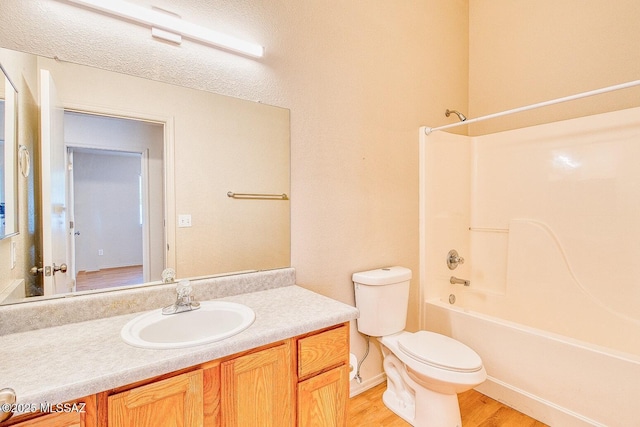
column 455, row 281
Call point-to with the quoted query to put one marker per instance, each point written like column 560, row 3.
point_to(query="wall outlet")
column 184, row 220
column 100, row 252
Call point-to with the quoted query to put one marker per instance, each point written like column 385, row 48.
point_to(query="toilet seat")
column 439, row 351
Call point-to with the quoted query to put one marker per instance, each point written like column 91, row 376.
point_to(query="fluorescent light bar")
column 166, row 35
column 172, row 24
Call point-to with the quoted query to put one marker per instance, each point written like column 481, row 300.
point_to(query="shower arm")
column 429, row 130
column 461, row 116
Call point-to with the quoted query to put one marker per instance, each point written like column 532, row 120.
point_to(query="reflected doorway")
column 115, row 199
column 107, row 191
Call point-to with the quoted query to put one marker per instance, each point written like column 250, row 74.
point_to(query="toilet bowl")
column 423, row 385
column 436, row 361
column 425, row 370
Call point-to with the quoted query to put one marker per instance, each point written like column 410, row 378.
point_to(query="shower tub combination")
column 546, row 218
column 553, row 378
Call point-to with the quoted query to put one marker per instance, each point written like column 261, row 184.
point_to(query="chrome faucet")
column 183, row 301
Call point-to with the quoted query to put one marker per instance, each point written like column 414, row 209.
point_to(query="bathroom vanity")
column 290, row 367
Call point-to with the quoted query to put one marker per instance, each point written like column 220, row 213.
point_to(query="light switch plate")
column 184, row 220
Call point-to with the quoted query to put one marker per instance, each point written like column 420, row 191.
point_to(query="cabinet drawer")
column 322, row 351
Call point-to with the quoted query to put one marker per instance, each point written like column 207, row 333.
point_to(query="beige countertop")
column 70, row 361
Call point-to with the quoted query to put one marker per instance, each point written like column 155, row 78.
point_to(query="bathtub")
column 558, row 380
column 546, row 217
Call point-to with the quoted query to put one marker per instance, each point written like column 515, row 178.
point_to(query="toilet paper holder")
column 353, row 366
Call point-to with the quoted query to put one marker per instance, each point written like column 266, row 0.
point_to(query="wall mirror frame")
column 8, row 154
column 211, row 145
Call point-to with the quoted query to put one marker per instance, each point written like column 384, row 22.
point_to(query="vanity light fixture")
column 171, row 27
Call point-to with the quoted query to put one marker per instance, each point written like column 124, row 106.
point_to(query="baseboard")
column 520, row 400
column 355, row 388
column 533, row 406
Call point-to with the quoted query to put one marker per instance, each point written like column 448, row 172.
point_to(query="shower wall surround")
column 552, row 228
column 546, row 219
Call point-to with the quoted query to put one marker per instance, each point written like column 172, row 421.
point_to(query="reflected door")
column 54, row 215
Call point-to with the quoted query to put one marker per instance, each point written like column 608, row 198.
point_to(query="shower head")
column 461, row 116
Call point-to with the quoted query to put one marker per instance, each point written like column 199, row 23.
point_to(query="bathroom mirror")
column 131, row 172
column 8, row 150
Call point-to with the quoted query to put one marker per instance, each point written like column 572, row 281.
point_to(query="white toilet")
column 425, row 370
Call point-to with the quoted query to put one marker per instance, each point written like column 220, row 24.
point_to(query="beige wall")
column 522, row 53
column 360, row 81
column 359, row 78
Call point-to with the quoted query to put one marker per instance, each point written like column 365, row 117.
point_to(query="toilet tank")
column 382, row 296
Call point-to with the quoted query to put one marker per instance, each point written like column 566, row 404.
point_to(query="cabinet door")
column 176, row 401
column 63, row 419
column 257, row 389
column 322, row 400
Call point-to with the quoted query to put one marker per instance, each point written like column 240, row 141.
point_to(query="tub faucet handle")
column 453, row 259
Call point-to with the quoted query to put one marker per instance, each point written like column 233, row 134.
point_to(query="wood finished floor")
column 477, row 410
column 108, row 278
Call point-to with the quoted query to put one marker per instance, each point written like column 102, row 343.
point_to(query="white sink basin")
column 214, row 321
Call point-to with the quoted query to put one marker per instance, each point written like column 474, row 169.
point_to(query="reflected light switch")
column 184, row 220
column 13, row 254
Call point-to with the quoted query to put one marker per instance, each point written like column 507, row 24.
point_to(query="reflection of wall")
column 22, row 71
column 247, row 152
column 221, row 144
column 107, row 210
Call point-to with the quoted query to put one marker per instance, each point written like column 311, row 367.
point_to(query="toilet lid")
column 440, row 351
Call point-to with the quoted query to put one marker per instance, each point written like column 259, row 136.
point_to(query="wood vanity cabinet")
column 256, row 389
column 190, row 397
column 173, row 401
column 303, row 381
column 300, row 381
column 323, row 378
